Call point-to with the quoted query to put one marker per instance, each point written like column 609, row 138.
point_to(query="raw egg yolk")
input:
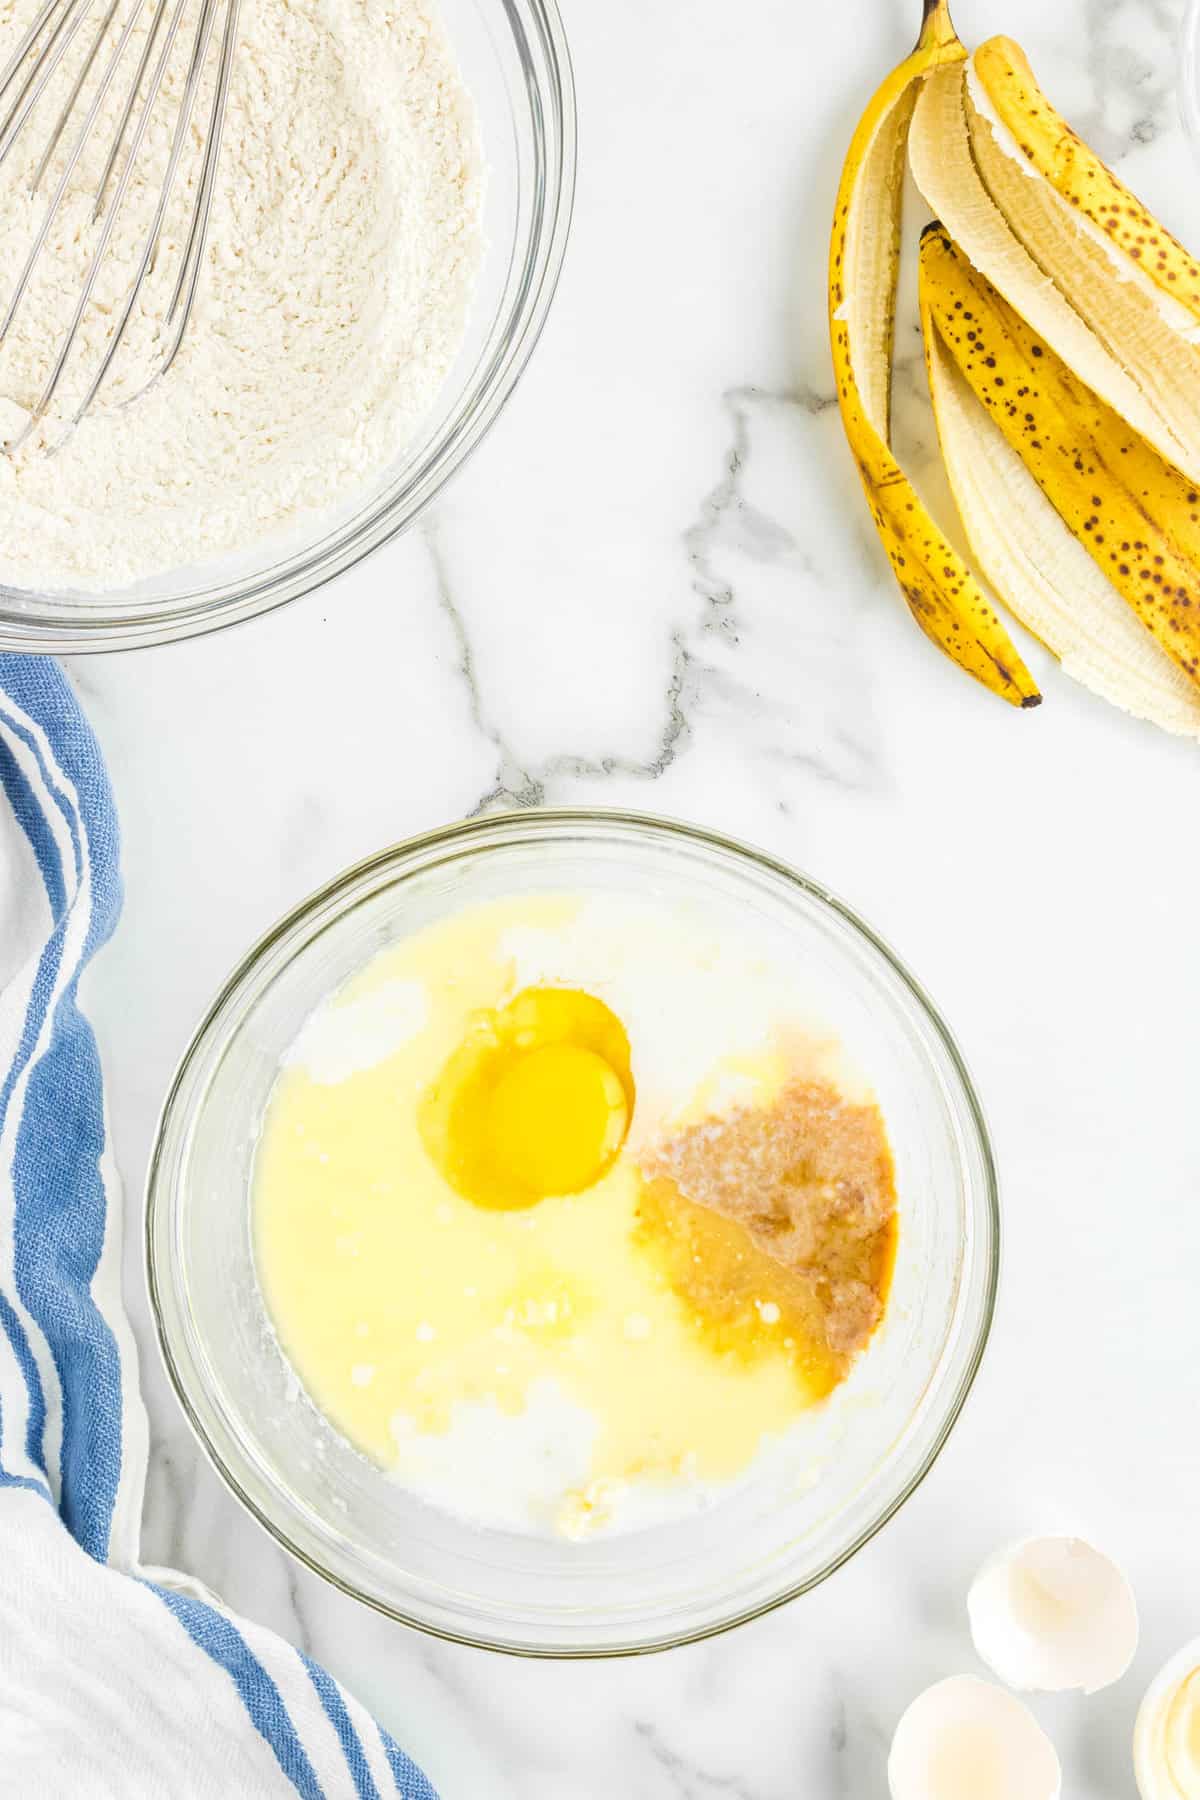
column 556, row 1117
column 536, row 1101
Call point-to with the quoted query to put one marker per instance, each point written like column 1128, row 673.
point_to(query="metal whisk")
column 22, row 85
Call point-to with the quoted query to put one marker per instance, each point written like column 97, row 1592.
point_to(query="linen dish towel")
column 117, row 1682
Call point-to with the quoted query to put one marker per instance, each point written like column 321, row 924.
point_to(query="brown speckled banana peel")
column 1136, row 286
column 943, row 596
column 942, row 154
column 1043, row 575
column 1133, row 514
column 1048, row 145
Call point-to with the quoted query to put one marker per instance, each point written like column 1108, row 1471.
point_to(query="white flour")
column 344, row 246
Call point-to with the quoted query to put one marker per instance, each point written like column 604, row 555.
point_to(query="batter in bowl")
column 564, row 1209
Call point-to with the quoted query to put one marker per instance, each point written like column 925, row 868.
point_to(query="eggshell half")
column 1051, row 1614
column 966, row 1737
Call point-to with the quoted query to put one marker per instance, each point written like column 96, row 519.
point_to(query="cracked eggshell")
column 1166, row 1738
column 964, row 1737
column 1051, row 1614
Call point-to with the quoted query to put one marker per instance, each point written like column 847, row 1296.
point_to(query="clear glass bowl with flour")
column 391, row 215
column 483, row 1566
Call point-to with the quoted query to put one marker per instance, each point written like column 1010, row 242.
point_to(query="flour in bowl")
column 342, row 256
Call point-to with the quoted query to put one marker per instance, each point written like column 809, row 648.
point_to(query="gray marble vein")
column 518, row 784
column 687, row 1779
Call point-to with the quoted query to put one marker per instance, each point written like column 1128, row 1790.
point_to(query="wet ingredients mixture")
column 566, row 1211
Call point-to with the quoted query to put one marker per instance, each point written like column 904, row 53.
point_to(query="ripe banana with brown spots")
column 943, row 595
column 1046, row 143
column 1067, row 406
column 948, row 158
column 1134, row 515
column 1039, row 570
column 1134, row 284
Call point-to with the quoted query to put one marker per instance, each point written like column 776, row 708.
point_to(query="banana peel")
column 945, row 167
column 1048, row 146
column 1136, row 287
column 1039, row 570
column 943, row 595
column 1131, row 513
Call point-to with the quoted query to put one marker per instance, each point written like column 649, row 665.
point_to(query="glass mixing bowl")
column 514, row 60
column 804, row 1510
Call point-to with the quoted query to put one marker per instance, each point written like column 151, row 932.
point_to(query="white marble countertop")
column 656, row 585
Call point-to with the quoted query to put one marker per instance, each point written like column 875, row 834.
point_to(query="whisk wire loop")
column 150, row 244
column 127, row 110
column 34, row 31
column 64, row 182
column 42, row 72
column 69, row 107
column 23, row 82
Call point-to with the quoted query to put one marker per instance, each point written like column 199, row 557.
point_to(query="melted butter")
column 396, row 1298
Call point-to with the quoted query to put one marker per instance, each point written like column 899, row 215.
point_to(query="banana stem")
column 937, row 27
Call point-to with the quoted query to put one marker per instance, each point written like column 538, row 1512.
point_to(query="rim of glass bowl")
column 66, row 628
column 212, row 1037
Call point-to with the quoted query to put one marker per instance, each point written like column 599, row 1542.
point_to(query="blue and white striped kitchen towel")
column 117, row 1682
